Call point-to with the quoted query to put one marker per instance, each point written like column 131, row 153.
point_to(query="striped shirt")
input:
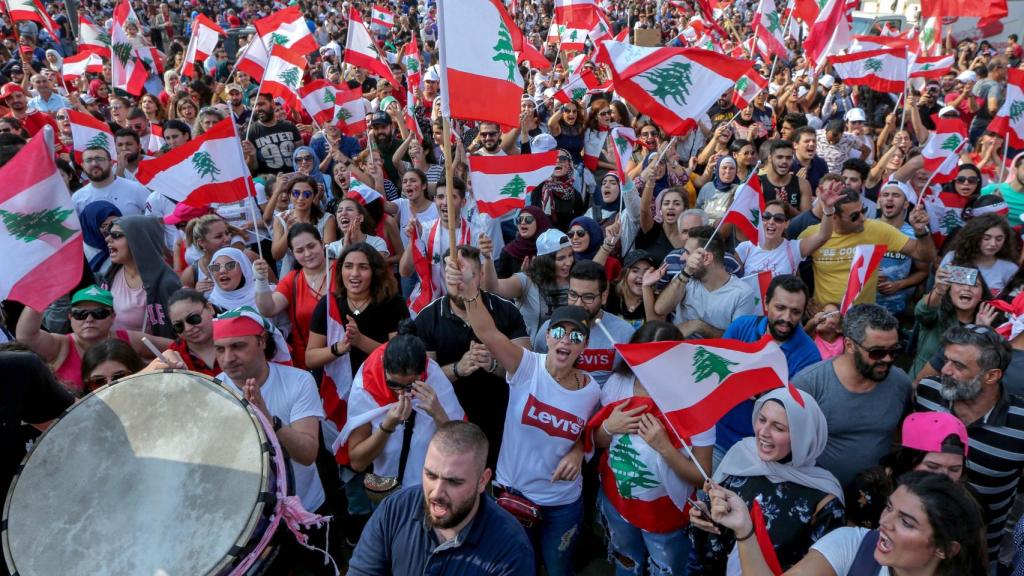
column 995, row 456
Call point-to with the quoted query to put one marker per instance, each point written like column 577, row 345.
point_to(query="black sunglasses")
column 780, row 218
column 95, row 313
column 578, row 233
column 193, row 319
column 115, row 235
column 227, row 266
column 93, row 382
column 527, row 219
column 967, row 179
column 879, row 353
column 396, row 386
column 856, row 215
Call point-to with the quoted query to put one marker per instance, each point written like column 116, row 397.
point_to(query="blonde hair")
column 198, row 228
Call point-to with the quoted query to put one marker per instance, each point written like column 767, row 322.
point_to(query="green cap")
column 93, row 294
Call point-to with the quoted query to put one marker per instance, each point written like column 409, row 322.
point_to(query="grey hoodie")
column 145, row 235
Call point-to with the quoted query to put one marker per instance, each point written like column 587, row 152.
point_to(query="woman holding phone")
column 960, row 296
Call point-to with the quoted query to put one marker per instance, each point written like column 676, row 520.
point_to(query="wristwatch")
column 277, row 423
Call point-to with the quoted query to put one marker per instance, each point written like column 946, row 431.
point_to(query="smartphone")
column 962, row 275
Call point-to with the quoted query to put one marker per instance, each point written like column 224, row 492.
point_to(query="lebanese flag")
column 361, row 192
column 39, row 230
column 942, row 151
column 349, row 110
column 747, row 88
column 768, row 29
column 567, row 10
column 623, row 142
column 208, row 169
column 1009, row 121
column 504, row 183
column 92, row 38
column 412, row 63
column 764, row 539
column 126, row 70
column 155, row 144
column 88, row 132
column 32, row 11
column 866, row 258
column 724, row 373
column 593, row 145
column 427, row 251
column 480, row 77
column 284, row 74
column 578, row 86
column 829, row 33
column 534, row 57
column 671, row 85
column 337, row 380
column 932, row 66
column 254, row 59
column 382, row 16
column 154, row 60
column 881, row 70
column 362, row 52
column 746, row 209
column 758, row 284
column 319, row 99
column 286, row 28
column 863, row 43
column 205, row 35
column 570, row 39
column 993, row 9
column 80, row 64
column 931, row 36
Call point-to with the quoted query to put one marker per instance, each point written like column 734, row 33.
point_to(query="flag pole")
column 906, row 87
column 1006, row 150
column 924, row 189
column 449, row 180
column 753, row 172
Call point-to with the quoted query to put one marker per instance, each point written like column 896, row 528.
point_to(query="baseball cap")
column 230, row 87
column 86, row 99
column 637, row 255
column 185, row 212
column 967, row 76
column 385, row 102
column 431, row 75
column 856, row 115
column 574, row 315
column 948, row 110
column 925, row 431
column 543, row 143
column 380, row 118
column 551, row 241
column 10, row 88
column 826, row 80
column 93, row 294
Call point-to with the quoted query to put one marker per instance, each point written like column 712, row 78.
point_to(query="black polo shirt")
column 484, row 396
column 995, row 454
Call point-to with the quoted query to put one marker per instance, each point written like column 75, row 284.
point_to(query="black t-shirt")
column 274, row 146
column 376, row 321
column 655, row 241
column 790, row 192
column 483, row 396
column 617, row 305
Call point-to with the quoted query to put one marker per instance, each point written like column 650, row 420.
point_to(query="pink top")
column 69, row 372
column 829, row 350
column 129, row 303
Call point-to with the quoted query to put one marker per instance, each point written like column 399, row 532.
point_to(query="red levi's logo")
column 551, row 420
column 596, row 359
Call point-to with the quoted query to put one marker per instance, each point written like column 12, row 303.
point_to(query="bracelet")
column 385, row 430
column 455, row 370
column 334, row 350
column 494, row 366
column 924, row 234
column 684, row 275
column 605, row 428
column 832, row 213
column 747, row 537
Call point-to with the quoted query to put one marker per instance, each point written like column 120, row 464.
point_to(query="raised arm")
column 828, row 198
column 464, row 278
column 30, row 332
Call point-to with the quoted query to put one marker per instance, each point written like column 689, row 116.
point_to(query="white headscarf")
column 808, row 434
column 244, row 295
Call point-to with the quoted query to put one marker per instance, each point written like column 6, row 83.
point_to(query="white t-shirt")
column 291, row 395
column 542, row 423
column 405, row 215
column 997, row 276
column 378, row 243
column 840, row 546
column 159, row 205
column 784, row 259
column 129, row 197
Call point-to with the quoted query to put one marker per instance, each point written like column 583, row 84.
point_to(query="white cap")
column 543, row 143
column 827, row 81
column 948, row 110
column 907, row 190
column 551, row 241
column 967, row 76
column 801, row 91
column 431, row 75
column 855, row 115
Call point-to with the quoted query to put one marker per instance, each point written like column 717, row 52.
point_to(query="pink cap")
column 184, row 212
column 925, row 431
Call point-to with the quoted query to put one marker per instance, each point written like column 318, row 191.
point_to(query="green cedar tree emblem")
column 35, row 225
column 123, row 51
column 573, row 35
column 741, row 84
column 622, row 145
column 100, row 140
column 951, row 143
column 773, row 22
column 578, row 93
column 927, row 66
column 629, row 470
column 104, row 38
column 204, row 165
column 821, row 4
column 504, row 53
column 928, row 36
column 1016, row 109
column 278, row 39
column 289, row 77
column 755, row 216
column 949, row 222
column 672, row 81
column 329, row 97
column 514, row 187
column 707, row 363
column 343, row 114
column 412, row 65
column 873, row 65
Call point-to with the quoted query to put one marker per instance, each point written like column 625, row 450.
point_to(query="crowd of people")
column 490, row 426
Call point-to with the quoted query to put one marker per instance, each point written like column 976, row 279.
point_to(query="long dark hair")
column 946, row 303
column 315, row 211
column 115, row 350
column 383, row 285
column 542, row 270
column 968, row 241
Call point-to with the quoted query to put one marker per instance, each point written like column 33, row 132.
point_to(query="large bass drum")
column 163, row 473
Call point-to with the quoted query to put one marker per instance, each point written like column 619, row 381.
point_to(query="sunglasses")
column 577, row 233
column 115, row 234
column 605, row 113
column 396, row 386
column 526, row 220
column 303, row 158
column 879, row 353
column 193, row 319
column 488, row 134
column 575, row 336
column 94, row 382
column 856, row 215
column 227, row 267
column 967, row 179
column 565, row 159
column 94, row 313
column 62, row 118
column 648, row 135
column 780, row 218
column 306, row 194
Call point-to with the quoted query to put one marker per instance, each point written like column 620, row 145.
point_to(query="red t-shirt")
column 35, row 120
column 301, row 302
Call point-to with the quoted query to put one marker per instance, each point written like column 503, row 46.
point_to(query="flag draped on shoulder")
column 126, row 70
column 92, row 38
column 205, row 35
column 480, row 77
column 337, row 380
column 88, row 132
column 254, row 59
column 504, row 183
column 1009, row 121
column 208, row 169
column 942, row 151
column 717, row 375
column 284, row 74
column 362, row 52
column 866, row 258
column 286, row 28
column 882, row 70
column 38, row 224
column 78, row 65
column 746, row 209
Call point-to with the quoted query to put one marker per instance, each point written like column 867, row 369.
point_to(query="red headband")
column 236, row 327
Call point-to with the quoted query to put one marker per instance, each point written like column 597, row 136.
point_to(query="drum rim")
column 266, row 493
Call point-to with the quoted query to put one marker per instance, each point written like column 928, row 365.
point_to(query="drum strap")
column 406, row 445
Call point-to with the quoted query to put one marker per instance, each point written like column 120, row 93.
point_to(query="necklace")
column 576, row 378
column 357, row 310
column 319, row 289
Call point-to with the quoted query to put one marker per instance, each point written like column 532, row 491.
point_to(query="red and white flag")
column 534, row 56
column 155, row 142
column 480, row 77
column 942, row 151
column 568, row 10
column 747, row 88
column 284, row 74
column 208, row 169
column 866, row 258
column 578, row 86
column 286, row 28
column 829, row 33
column 382, row 17
column 746, row 209
column 764, row 539
column 623, row 142
column 319, row 99
column 254, row 59
column 350, row 110
column 862, row 43
column 568, row 38
column 88, row 132
column 768, row 29
column 881, row 70
column 362, row 52
column 205, row 35
column 32, row 11
column 92, row 38
column 758, row 284
column 931, row 36
column 724, row 373
column 932, row 66
column 337, row 380
column 78, row 65
column 39, row 229
column 126, row 70
column 1009, row 121
column 504, row 183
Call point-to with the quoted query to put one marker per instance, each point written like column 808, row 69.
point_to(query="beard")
column 98, row 174
column 870, row 371
column 953, row 389
column 457, row 512
column 266, row 117
column 781, row 335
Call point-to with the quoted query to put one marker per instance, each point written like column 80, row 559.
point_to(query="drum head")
column 159, row 473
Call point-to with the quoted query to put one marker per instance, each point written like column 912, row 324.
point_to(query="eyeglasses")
column 307, row 194
column 489, row 134
column 559, row 332
column 227, row 267
column 780, row 218
column 967, row 179
column 565, row 159
column 397, row 386
column 526, row 219
column 193, row 319
column 588, row 298
column 93, row 382
column 95, row 313
column 61, row 117
column 605, row 113
column 878, row 353
column 577, row 233
column 303, row 158
column 857, row 214
column 114, row 234
column 95, row 160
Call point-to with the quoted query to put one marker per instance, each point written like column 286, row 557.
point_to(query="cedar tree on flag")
column 39, row 230
column 337, row 379
column 126, row 70
column 502, row 184
column 747, row 88
column 480, row 77
column 673, row 86
column 382, row 17
column 881, row 70
column 931, row 36
column 768, row 29
column 931, row 66
column 569, row 39
column 942, row 151
column 92, row 38
column 78, row 65
column 758, row 284
column 746, row 209
column 577, row 86
column 1009, row 121
column 205, row 35
column 349, row 110
column 32, row 11
column 88, row 132
column 208, row 169
column 623, row 140
column 284, row 74
column 829, row 33
column 719, row 373
column 866, row 258
column 362, row 52
column 286, row 28
column 254, row 59
column 319, row 99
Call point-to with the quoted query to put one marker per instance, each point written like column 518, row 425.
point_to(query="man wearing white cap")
column 898, row 274
column 857, row 126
